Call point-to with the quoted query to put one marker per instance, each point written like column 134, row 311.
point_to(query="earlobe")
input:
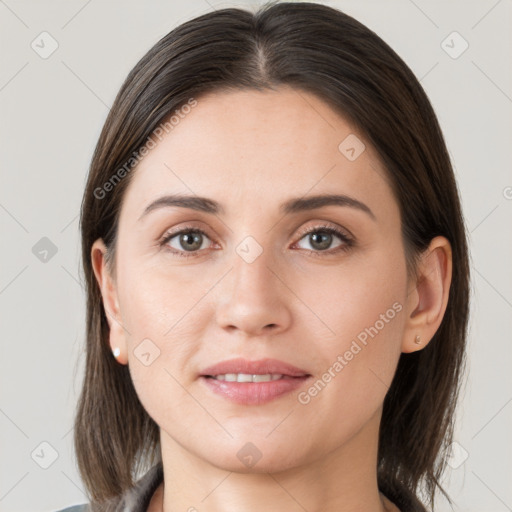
column 110, row 301
column 428, row 296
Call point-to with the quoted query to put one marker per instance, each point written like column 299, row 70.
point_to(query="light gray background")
column 52, row 111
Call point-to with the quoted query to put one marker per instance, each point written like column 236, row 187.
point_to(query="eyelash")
column 348, row 242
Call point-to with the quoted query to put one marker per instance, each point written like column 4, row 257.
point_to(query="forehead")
column 248, row 147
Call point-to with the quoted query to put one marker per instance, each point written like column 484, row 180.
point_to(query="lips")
column 286, row 378
column 259, row 367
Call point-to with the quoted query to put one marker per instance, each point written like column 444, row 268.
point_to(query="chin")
column 252, row 457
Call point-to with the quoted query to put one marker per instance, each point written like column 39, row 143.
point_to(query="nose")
column 254, row 298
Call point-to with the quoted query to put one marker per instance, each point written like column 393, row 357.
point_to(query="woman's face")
column 249, row 282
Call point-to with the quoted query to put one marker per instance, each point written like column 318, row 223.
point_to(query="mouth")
column 253, row 382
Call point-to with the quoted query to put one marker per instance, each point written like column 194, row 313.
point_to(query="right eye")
column 187, row 240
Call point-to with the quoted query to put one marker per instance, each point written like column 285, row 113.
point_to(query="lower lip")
column 254, row 393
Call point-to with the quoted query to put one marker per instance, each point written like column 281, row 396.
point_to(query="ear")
column 108, row 290
column 427, row 296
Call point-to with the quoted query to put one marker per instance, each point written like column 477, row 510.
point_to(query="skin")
column 251, row 151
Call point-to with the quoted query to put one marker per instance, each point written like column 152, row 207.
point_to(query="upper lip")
column 260, row 367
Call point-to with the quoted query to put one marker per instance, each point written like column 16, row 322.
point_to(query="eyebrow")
column 294, row 205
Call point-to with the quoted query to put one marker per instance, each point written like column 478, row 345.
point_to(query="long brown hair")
column 321, row 50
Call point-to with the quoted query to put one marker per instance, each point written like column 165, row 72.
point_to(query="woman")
column 277, row 275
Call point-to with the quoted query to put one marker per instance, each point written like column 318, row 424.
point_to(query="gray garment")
column 75, row 508
column 135, row 499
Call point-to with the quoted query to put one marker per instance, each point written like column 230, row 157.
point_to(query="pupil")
column 191, row 241
column 321, row 241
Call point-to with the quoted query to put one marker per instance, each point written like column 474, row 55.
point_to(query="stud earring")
column 417, row 340
column 116, row 351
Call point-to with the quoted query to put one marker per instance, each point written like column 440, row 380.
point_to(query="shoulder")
column 75, row 508
column 135, row 498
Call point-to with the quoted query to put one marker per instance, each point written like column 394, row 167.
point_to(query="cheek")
column 160, row 314
column 358, row 317
column 346, row 299
column 156, row 305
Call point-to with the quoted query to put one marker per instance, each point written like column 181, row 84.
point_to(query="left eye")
column 320, row 239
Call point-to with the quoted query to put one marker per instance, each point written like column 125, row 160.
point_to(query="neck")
column 344, row 480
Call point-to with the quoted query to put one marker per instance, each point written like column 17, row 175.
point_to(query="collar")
column 138, row 497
